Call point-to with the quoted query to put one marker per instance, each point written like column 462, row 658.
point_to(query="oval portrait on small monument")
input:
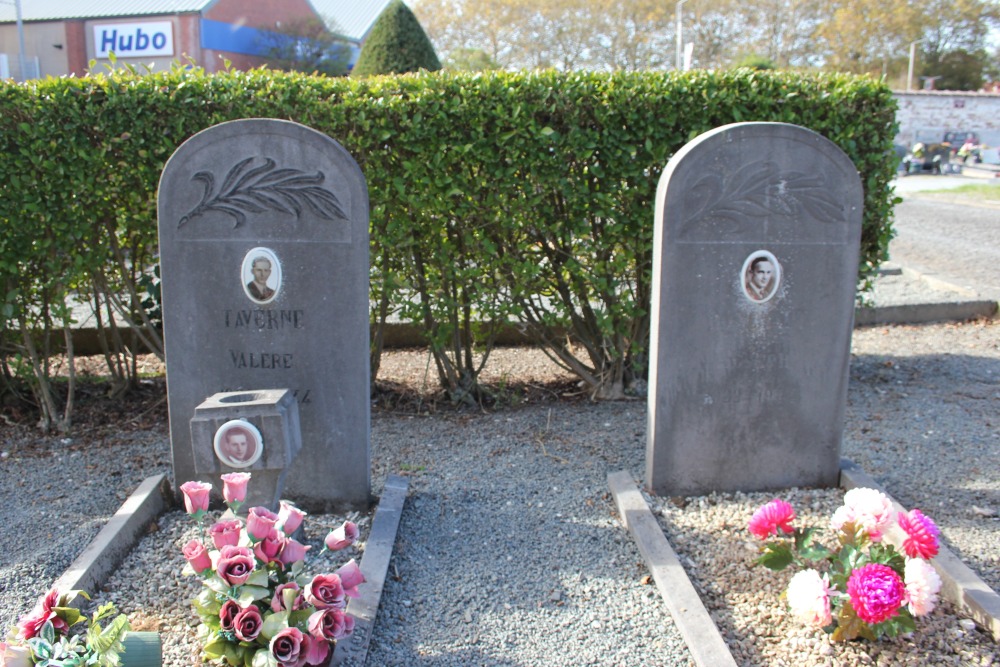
column 261, row 275
column 238, row 443
column 760, row 276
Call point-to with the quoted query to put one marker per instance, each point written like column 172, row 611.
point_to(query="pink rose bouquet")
column 257, row 606
column 866, row 588
column 42, row 636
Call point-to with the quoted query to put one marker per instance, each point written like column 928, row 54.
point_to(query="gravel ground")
column 509, row 550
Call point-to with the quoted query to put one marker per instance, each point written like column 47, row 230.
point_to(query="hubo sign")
column 134, row 40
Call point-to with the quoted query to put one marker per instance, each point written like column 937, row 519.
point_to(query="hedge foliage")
column 496, row 196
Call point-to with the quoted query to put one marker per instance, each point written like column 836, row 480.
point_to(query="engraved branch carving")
column 264, row 188
column 761, row 190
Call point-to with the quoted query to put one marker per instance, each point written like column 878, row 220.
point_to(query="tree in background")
column 306, row 45
column 396, row 45
column 469, row 60
column 954, row 45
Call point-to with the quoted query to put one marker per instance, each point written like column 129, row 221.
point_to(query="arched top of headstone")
column 261, row 177
column 726, row 181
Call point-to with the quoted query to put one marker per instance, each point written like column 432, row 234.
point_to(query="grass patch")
column 973, row 191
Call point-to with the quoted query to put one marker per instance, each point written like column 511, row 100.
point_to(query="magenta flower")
column 876, row 592
column 325, row 591
column 234, row 487
column 31, row 623
column 287, row 597
column 196, row 554
column 921, row 534
column 269, row 549
column 290, row 517
column 293, row 552
column 330, row 624
column 344, row 536
column 770, row 517
column 260, row 522
column 286, row 647
column 228, row 613
column 248, row 623
column 235, row 565
column 195, row 496
column 350, row 578
column 226, row 532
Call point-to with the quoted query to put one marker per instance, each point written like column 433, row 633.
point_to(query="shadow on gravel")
column 927, row 427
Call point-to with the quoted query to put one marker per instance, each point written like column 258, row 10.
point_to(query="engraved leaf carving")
column 761, row 189
column 248, row 189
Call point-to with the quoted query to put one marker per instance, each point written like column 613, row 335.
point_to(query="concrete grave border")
column 154, row 495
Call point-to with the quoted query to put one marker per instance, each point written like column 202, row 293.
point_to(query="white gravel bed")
column 745, row 600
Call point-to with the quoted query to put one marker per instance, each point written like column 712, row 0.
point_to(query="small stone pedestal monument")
column 263, row 229
column 756, row 245
column 248, row 431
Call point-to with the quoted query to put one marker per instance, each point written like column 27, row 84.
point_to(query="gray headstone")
column 756, row 245
column 264, row 266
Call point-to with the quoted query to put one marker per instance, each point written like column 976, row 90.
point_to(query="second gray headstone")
column 756, row 246
column 264, row 267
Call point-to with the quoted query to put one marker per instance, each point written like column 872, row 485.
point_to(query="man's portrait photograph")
column 238, row 444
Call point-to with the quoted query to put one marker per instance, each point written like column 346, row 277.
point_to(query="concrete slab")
column 375, row 566
column 119, row 535
column 959, row 584
column 696, row 626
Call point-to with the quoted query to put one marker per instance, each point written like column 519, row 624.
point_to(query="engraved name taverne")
column 248, row 189
column 760, row 190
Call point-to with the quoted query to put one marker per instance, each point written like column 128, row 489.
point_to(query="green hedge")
column 494, row 196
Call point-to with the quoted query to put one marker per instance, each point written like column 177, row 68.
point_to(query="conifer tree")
column 397, row 44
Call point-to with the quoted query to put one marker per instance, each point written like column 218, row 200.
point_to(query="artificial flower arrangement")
column 42, row 637
column 865, row 588
column 258, row 608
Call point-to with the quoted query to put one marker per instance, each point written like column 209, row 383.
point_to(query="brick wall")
column 927, row 115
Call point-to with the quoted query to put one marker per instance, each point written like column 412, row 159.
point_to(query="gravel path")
column 509, row 551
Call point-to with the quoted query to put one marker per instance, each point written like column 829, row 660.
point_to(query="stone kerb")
column 263, row 230
column 756, row 243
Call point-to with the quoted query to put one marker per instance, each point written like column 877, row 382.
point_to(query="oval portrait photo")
column 238, row 443
column 261, row 275
column 760, row 276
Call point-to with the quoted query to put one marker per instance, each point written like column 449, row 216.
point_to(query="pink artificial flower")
column 195, row 496
column 865, row 508
column 235, row 565
column 922, row 586
column 226, row 532
column 344, row 536
column 330, row 624
column 269, row 549
column 809, row 598
column 228, row 613
column 260, row 522
column 293, row 552
column 290, row 517
column 234, row 487
column 196, row 554
column 770, row 517
column 325, row 591
column 248, row 623
column 316, row 650
column 31, row 623
column 286, row 647
column 876, row 592
column 921, row 534
column 287, row 597
column 350, row 578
